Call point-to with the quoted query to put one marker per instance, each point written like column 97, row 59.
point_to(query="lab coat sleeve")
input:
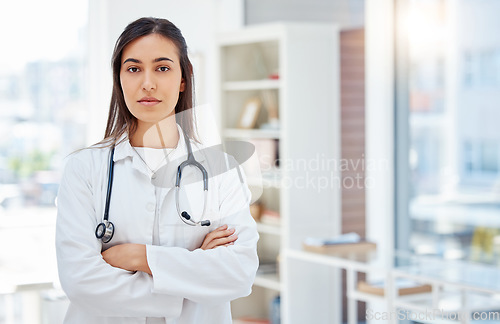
column 216, row 275
column 86, row 278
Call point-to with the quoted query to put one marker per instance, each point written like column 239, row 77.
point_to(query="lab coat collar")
column 123, row 149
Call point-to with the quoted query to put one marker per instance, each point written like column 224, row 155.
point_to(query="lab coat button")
column 150, row 207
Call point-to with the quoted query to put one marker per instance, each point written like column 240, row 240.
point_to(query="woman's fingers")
column 223, row 227
column 221, row 236
column 222, row 233
column 215, row 242
column 222, row 241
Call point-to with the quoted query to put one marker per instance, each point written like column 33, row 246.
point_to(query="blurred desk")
column 462, row 291
column 457, row 286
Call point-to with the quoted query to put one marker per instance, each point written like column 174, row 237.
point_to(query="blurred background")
column 417, row 86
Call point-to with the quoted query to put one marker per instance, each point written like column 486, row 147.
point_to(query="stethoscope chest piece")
column 105, row 231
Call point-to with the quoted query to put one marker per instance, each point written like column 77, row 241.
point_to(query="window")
column 480, row 158
column 449, row 80
column 42, row 119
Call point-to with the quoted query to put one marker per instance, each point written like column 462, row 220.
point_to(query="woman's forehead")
column 150, row 47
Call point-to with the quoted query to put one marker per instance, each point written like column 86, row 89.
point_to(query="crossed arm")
column 116, row 283
column 132, row 257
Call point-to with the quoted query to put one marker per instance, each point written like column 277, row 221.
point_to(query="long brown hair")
column 120, row 120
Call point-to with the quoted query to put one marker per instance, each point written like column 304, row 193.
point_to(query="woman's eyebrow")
column 132, row 60
column 162, row 59
column 156, row 60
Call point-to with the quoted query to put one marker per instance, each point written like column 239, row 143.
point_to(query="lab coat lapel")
column 124, row 150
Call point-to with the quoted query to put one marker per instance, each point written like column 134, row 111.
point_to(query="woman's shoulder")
column 88, row 157
column 90, row 152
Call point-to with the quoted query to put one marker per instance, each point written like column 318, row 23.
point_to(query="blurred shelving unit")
column 279, row 90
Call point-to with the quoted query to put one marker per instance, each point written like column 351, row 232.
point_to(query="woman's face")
column 151, row 78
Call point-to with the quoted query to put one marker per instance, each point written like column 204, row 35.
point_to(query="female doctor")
column 137, row 240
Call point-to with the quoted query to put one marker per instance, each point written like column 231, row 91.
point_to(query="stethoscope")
column 106, row 229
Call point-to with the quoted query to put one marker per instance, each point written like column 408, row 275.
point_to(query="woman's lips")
column 149, row 101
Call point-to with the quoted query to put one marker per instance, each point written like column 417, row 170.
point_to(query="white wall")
column 379, row 134
column 199, row 21
column 344, row 13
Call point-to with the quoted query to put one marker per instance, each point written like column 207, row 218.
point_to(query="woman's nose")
column 148, row 83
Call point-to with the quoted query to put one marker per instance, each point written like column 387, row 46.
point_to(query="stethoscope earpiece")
column 191, row 222
column 186, row 215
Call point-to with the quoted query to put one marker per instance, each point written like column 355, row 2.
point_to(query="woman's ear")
column 183, row 85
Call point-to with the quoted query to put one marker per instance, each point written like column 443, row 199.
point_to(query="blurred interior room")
column 376, row 190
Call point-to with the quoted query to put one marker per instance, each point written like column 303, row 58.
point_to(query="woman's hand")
column 221, row 236
column 131, row 257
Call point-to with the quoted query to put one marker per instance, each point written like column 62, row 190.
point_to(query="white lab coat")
column 188, row 285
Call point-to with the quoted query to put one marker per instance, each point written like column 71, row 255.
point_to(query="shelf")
column 269, row 281
column 331, row 260
column 268, row 179
column 268, row 229
column 265, row 84
column 246, row 60
column 365, row 297
column 252, row 133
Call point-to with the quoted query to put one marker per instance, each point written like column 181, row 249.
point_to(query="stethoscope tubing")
column 110, row 182
column 105, row 230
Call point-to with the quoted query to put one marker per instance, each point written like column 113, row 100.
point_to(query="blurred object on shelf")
column 278, row 262
column 405, row 287
column 275, row 313
column 270, row 103
column 267, row 152
column 260, row 63
column 270, row 217
column 267, row 267
column 249, row 113
column 256, row 210
column 274, row 75
column 349, row 243
column 343, row 248
column 271, row 124
column 341, row 239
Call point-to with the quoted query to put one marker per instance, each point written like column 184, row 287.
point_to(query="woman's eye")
column 132, row 69
column 163, row 68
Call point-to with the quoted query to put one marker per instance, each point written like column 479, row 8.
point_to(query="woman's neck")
column 163, row 134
